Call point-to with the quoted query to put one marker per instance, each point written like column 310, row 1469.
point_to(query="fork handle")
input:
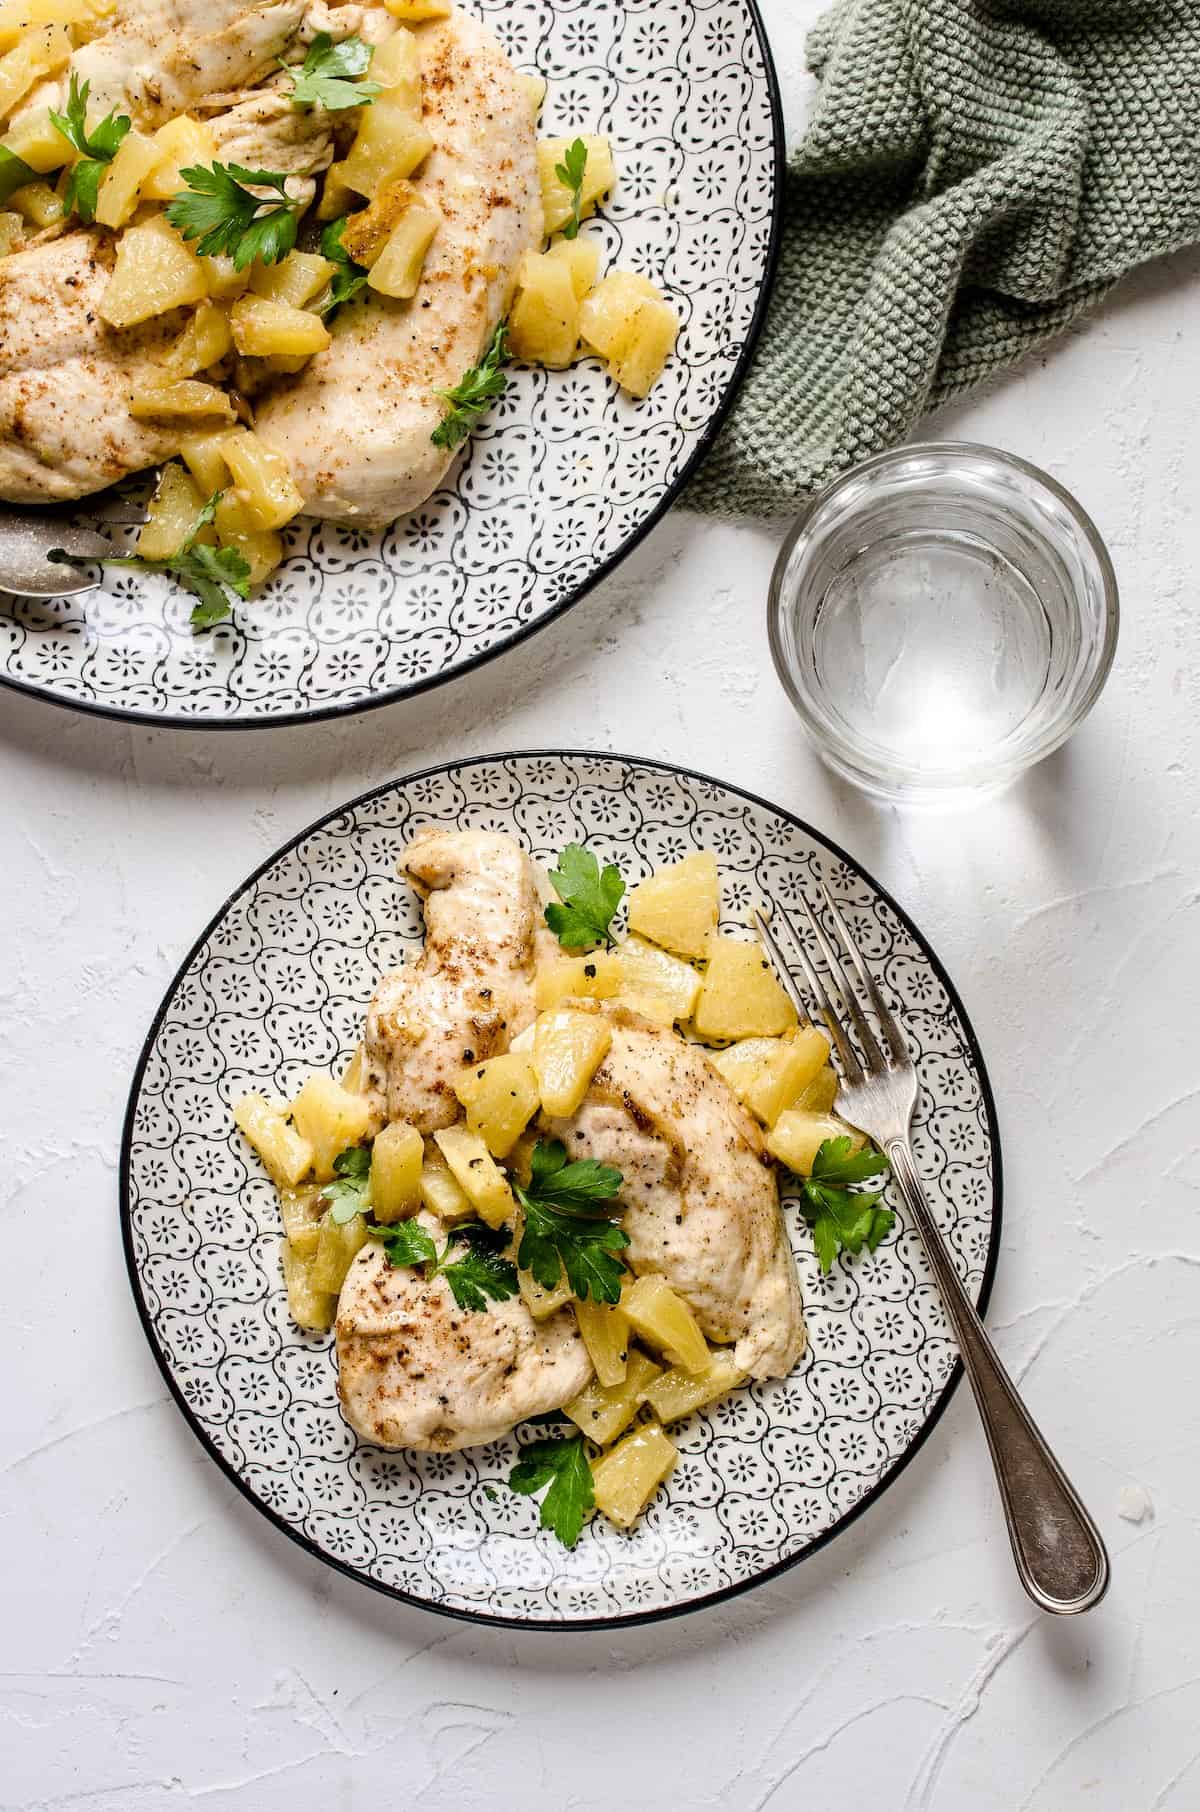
column 1060, row 1557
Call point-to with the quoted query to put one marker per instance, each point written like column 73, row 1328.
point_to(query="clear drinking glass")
column 942, row 617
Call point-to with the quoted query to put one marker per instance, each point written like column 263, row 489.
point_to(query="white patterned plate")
column 279, row 983
column 562, row 478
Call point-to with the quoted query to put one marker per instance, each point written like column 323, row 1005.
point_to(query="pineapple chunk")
column 543, row 324
column 397, row 270
column 204, row 341
column 12, row 234
column 599, row 178
column 741, row 996
column 337, row 1248
column 416, row 10
column 337, row 197
column 265, row 329
column 441, row 1192
column 295, row 280
column 396, row 66
column 310, row 1308
column 797, row 1136
column 154, row 272
column 626, row 1479
column 396, row 1160
column 605, row 1332
column 302, row 1211
column 648, row 1006
column 483, row 1182
column 37, row 141
column 662, row 1318
column 121, row 184
column 594, row 977
column 603, row 1411
column 768, row 1074
column 18, row 17
column 501, row 1098
column 678, row 1392
column 367, row 232
column 181, row 143
column 39, row 204
column 391, row 143
column 237, row 527
column 204, row 460
column 651, row 975
column 264, row 479
column 286, row 1155
column 568, row 1047
column 819, row 1095
column 149, row 401
column 608, row 317
column 655, row 331
column 582, row 259
column 173, row 513
column 542, row 1303
column 678, row 906
column 331, row 1120
column 39, row 53
column 223, row 278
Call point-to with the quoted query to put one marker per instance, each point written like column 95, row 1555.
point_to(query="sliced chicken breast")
column 701, row 1202
column 357, row 423
column 415, row 1370
column 471, row 989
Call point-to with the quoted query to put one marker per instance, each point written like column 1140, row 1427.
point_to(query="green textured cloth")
column 975, row 176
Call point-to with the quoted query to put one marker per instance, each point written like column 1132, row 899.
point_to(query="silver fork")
column 1060, row 1557
column 29, row 536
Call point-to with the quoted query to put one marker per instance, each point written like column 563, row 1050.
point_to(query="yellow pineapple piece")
column 662, row 1318
column 20, row 17
column 768, row 1074
column 603, row 1411
column 797, row 1136
column 237, row 527
column 543, row 323
column 37, row 141
column 12, row 233
column 181, row 144
column 397, row 1158
column 397, row 270
column 641, row 363
column 414, row 11
column 396, row 66
column 205, row 341
column 310, row 1308
column 649, row 973
column 39, row 204
column 605, row 1331
column 123, row 181
column 202, row 456
column 481, row 1179
column 265, row 329
column 223, row 279
column 599, row 178
column 819, row 1095
column 501, row 1098
column 608, row 316
column 174, row 511
column 568, row 1047
column 741, row 996
column 541, row 1302
column 302, row 1211
column 39, row 53
column 679, row 1393
column 295, row 280
column 263, row 477
column 286, row 1155
column 331, row 1119
column 367, row 232
column 582, row 258
column 151, row 401
column 338, row 1245
column 594, row 977
column 626, row 1478
column 392, row 142
column 678, row 906
column 154, row 273
column 441, row 1192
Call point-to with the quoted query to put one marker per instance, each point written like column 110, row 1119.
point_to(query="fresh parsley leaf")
column 209, row 573
column 224, row 215
column 349, row 276
column 476, row 1278
column 14, row 172
column 349, row 1193
column 590, row 896
column 474, row 393
column 843, row 1216
column 570, row 174
column 96, row 148
column 325, row 78
column 562, row 1465
column 568, row 1211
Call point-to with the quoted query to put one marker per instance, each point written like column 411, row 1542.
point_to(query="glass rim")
column 853, row 758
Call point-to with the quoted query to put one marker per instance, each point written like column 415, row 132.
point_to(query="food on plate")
column 535, row 1191
column 318, row 230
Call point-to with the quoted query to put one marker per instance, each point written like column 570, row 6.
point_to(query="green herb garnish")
column 476, row 1277
column 224, row 215
column 474, row 394
column 96, row 148
column 570, row 174
column 562, row 1465
column 349, row 277
column 326, row 77
column 843, row 1216
column 569, row 1225
column 590, row 896
column 14, row 172
column 211, row 573
column 349, row 1193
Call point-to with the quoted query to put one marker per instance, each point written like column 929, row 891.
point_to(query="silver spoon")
column 27, row 537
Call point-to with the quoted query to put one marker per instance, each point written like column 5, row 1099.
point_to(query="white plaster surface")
column 163, row 1647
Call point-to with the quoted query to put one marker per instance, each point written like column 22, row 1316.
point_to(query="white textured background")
column 163, row 1647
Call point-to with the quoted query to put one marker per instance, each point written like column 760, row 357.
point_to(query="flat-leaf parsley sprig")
column 476, row 1276
column 590, row 896
column 220, row 210
column 570, row 174
column 350, row 1191
column 96, row 148
column 474, row 393
column 844, row 1216
column 563, row 1465
column 568, row 1223
column 210, row 573
column 326, row 78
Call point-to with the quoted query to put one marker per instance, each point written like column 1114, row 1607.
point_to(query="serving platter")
column 563, row 477
column 277, row 985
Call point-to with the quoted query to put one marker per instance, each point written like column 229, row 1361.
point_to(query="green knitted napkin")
column 977, row 173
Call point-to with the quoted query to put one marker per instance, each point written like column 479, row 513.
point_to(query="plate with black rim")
column 562, row 478
column 277, row 985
